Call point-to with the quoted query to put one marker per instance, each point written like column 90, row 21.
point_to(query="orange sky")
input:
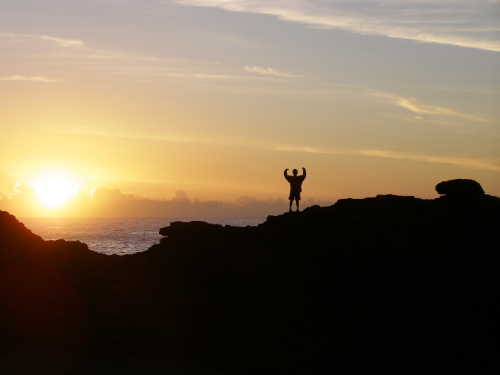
column 213, row 100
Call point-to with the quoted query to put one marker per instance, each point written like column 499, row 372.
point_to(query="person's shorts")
column 294, row 195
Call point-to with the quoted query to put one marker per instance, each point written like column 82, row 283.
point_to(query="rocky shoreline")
column 394, row 283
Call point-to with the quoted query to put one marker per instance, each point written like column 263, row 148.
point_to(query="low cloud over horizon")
column 111, row 202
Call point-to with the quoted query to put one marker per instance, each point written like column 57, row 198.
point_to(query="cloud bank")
column 107, row 202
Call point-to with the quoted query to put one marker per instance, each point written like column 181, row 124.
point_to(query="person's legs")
column 297, row 202
column 291, row 201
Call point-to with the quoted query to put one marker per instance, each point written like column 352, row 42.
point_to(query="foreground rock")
column 394, row 283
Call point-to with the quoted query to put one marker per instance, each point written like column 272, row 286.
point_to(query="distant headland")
column 390, row 283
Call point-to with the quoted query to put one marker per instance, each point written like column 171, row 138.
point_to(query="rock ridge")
column 390, row 282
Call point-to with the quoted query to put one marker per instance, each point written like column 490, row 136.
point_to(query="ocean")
column 116, row 235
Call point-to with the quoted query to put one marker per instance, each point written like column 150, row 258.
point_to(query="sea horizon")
column 118, row 235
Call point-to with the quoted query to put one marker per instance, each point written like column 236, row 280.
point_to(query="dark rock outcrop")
column 389, row 283
column 460, row 188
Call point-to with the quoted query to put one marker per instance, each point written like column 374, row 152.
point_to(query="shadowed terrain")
column 392, row 283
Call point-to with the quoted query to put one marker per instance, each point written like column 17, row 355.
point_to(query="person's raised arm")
column 286, row 173
column 304, row 174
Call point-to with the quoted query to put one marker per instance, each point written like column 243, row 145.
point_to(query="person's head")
column 295, row 172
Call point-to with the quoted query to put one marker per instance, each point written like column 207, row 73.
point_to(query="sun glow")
column 54, row 188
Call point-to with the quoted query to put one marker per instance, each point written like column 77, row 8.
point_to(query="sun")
column 54, row 188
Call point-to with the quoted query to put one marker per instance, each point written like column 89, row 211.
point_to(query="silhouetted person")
column 295, row 186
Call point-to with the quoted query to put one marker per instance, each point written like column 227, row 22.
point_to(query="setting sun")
column 54, row 188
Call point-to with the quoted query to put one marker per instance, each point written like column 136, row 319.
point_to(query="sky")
column 196, row 107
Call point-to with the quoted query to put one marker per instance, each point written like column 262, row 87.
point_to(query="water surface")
column 116, row 235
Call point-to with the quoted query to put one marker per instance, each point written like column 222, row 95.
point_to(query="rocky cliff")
column 394, row 283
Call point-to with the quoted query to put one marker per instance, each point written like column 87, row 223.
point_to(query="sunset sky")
column 195, row 107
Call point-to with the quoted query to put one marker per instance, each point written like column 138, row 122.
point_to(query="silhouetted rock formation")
column 389, row 283
column 460, row 188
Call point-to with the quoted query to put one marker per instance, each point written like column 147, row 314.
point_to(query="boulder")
column 193, row 229
column 460, row 188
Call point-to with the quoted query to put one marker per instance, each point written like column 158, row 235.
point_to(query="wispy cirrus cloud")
column 52, row 51
column 168, row 137
column 14, row 38
column 270, row 72
column 55, row 51
column 415, row 106
column 30, row 79
column 463, row 23
column 62, row 42
column 462, row 162
column 480, row 163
